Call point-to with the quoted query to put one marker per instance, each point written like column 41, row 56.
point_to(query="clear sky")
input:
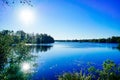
column 65, row 19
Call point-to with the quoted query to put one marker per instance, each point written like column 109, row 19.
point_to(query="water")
column 48, row 61
column 72, row 56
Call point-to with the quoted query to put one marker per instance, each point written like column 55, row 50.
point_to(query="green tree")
column 21, row 34
column 5, row 50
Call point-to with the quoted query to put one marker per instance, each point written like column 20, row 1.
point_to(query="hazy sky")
column 65, row 19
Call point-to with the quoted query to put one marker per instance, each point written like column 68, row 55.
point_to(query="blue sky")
column 66, row 19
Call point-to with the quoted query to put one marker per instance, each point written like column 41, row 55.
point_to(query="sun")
column 27, row 16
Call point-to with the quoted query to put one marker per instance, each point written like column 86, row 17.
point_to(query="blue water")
column 72, row 56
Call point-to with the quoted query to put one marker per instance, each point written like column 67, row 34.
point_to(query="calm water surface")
column 55, row 59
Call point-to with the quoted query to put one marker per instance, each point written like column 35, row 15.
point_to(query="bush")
column 110, row 71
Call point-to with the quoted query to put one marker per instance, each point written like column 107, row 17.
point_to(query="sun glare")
column 25, row 67
column 27, row 16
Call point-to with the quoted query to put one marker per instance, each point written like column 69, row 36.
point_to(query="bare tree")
column 9, row 2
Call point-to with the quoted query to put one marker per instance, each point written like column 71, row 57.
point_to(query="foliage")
column 12, row 57
column 21, row 36
column 75, row 76
column 110, row 71
column 44, row 38
column 12, row 69
column 5, row 49
column 14, row 53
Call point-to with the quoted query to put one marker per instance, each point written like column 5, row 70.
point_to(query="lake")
column 55, row 59
column 48, row 61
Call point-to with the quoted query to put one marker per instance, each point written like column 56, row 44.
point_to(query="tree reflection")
column 43, row 48
column 39, row 48
column 118, row 46
column 19, row 64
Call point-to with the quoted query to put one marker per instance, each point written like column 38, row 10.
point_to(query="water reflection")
column 43, row 48
column 20, row 64
column 86, row 45
column 39, row 48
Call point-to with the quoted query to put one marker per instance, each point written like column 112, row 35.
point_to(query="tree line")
column 21, row 36
column 113, row 39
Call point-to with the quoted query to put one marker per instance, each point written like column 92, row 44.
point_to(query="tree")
column 9, row 2
column 5, row 48
column 21, row 34
column 13, row 69
column 44, row 38
column 7, row 32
